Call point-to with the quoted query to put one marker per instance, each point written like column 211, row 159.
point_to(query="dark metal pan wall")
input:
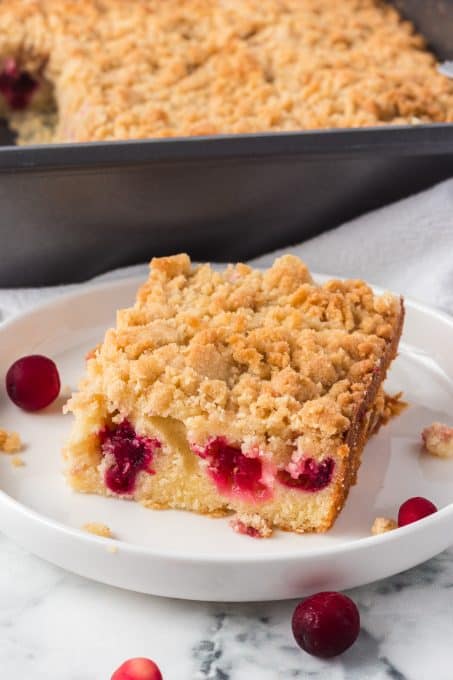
column 68, row 212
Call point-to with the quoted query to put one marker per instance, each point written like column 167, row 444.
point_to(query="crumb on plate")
column 383, row 524
column 10, row 442
column 251, row 525
column 438, row 440
column 17, row 461
column 98, row 529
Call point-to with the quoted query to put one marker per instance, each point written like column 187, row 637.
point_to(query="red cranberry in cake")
column 326, row 624
column 232, row 471
column 225, row 377
column 414, row 509
column 126, row 455
column 33, row 382
column 16, row 86
column 137, row 669
column 310, row 475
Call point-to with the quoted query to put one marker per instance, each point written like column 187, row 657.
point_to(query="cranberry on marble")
column 326, row 624
column 138, row 669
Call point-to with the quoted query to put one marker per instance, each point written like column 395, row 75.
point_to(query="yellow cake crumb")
column 438, row 440
column 98, row 529
column 10, row 442
column 17, row 461
column 112, row 549
column 383, row 524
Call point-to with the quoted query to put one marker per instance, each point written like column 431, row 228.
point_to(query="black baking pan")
column 69, row 212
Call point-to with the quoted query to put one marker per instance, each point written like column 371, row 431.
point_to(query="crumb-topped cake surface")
column 255, row 356
column 255, row 378
column 148, row 68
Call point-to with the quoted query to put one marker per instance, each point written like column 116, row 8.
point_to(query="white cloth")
column 406, row 247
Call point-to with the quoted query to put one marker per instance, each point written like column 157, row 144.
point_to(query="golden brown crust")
column 194, row 67
column 362, row 427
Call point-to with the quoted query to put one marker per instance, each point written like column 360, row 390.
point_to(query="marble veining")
column 54, row 625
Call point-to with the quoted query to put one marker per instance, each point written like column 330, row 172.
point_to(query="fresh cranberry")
column 314, row 476
column 130, row 454
column 326, row 624
column 137, row 669
column 232, row 471
column 16, row 86
column 33, row 382
column 414, row 509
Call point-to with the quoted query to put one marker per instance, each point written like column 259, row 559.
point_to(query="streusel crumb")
column 17, row 461
column 10, row 442
column 383, row 524
column 147, row 68
column 98, row 529
column 438, row 440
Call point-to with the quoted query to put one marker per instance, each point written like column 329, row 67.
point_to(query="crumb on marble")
column 383, row 524
column 98, row 529
column 10, row 442
column 438, row 440
column 17, row 461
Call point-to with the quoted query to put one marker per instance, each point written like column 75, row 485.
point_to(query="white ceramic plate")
column 183, row 555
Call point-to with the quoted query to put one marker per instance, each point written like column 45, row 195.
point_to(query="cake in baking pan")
column 94, row 70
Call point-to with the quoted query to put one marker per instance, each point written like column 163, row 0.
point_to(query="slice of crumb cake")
column 243, row 391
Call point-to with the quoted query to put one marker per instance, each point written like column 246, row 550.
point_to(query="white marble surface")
column 57, row 626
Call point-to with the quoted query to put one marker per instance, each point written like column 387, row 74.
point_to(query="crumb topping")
column 438, row 440
column 98, row 529
column 383, row 524
column 195, row 67
column 17, row 461
column 268, row 358
column 10, row 442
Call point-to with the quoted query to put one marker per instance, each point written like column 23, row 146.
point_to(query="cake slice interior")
column 239, row 392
